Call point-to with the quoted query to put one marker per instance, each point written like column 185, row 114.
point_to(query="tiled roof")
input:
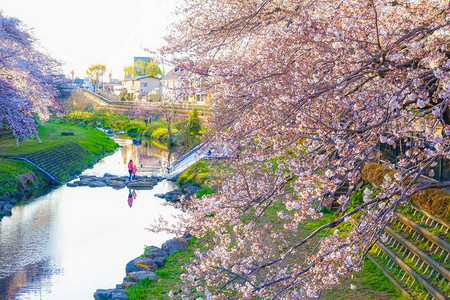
column 173, row 74
column 141, row 77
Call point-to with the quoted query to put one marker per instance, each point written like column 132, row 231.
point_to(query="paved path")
column 194, row 155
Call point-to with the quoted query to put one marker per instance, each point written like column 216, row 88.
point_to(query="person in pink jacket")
column 130, row 169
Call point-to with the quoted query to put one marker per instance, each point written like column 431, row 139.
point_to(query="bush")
column 436, row 201
column 159, row 133
column 374, row 173
column 152, row 127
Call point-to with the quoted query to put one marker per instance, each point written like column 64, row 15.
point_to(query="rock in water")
column 116, row 294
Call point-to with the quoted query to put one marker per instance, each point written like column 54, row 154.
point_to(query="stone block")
column 174, row 244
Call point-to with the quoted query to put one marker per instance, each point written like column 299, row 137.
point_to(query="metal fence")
column 441, row 170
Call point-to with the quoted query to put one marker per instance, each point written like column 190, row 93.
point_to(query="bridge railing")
column 180, row 107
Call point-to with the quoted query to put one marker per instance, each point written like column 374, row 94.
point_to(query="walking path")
column 195, row 154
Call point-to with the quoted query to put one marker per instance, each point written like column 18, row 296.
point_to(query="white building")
column 88, row 84
column 172, row 82
column 141, row 86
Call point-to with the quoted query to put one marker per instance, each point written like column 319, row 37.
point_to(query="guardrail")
column 181, row 108
column 413, row 258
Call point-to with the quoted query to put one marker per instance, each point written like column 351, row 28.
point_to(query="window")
column 145, row 84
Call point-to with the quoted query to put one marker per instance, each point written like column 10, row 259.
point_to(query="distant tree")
column 194, row 123
column 142, row 68
column 27, row 83
column 77, row 101
column 144, row 111
column 95, row 72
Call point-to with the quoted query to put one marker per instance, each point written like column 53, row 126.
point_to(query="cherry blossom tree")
column 27, row 83
column 305, row 93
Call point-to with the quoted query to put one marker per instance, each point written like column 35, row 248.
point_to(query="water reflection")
column 148, row 157
column 72, row 241
column 131, row 197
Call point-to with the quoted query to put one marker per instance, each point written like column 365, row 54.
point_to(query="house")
column 139, row 87
column 87, row 84
column 171, row 85
column 77, row 83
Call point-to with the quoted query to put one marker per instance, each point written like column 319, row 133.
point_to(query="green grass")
column 10, row 172
column 169, row 276
column 370, row 284
column 197, row 173
column 93, row 140
column 205, row 190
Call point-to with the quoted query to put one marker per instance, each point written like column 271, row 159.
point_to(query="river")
column 70, row 242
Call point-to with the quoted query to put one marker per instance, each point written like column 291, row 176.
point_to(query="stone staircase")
column 58, row 163
column 415, row 256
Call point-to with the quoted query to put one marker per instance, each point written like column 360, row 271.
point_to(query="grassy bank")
column 369, row 283
column 93, row 140
column 13, row 173
column 185, row 132
column 116, row 122
column 18, row 177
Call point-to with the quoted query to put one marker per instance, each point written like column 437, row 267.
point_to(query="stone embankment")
column 117, row 182
column 142, row 267
column 8, row 202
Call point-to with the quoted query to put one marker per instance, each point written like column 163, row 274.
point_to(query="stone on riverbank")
column 190, row 188
column 153, row 251
column 142, row 184
column 135, row 270
column 140, row 264
column 110, row 294
column 186, row 190
column 159, row 261
column 117, row 182
column 97, row 184
column 140, row 275
column 172, row 196
column 174, row 244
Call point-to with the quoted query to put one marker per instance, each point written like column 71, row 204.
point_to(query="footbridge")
column 197, row 153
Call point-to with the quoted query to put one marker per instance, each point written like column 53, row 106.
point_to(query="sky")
column 84, row 32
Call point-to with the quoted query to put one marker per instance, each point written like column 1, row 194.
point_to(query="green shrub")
column 158, row 133
column 205, row 190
